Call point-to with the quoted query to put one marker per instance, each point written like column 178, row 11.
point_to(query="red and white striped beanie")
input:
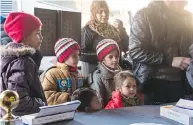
column 106, row 46
column 64, row 48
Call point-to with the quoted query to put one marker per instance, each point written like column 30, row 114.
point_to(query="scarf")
column 131, row 101
column 111, row 70
column 105, row 30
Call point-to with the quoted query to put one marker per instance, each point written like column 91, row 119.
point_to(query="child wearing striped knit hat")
column 60, row 81
column 101, row 79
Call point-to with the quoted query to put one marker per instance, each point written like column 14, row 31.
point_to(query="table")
column 146, row 115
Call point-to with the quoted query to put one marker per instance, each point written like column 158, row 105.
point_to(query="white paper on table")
column 57, row 109
column 186, row 104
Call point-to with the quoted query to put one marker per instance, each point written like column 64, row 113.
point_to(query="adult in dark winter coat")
column 154, row 47
column 97, row 29
column 186, row 42
column 20, row 62
column 5, row 39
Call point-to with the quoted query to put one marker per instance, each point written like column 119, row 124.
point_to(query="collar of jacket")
column 15, row 50
column 67, row 67
column 121, row 100
column 162, row 7
column 106, row 72
column 37, row 57
column 159, row 5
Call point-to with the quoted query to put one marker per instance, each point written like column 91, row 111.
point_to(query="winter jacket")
column 118, row 102
column 189, row 72
column 101, row 80
column 5, row 39
column 19, row 72
column 154, row 40
column 186, row 42
column 60, row 82
column 90, row 39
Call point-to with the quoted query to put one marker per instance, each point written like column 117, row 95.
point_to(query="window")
column 189, row 6
column 6, row 7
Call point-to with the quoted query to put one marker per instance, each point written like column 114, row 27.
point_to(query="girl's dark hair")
column 120, row 77
column 84, row 95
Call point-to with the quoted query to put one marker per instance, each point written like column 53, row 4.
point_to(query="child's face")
column 112, row 59
column 73, row 59
column 95, row 104
column 35, row 39
column 128, row 87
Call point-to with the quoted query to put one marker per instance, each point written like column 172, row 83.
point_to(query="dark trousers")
column 158, row 91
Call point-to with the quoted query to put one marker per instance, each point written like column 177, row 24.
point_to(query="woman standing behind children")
column 101, row 79
column 126, row 91
column 61, row 81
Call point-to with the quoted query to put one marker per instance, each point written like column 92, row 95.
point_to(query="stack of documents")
column 50, row 114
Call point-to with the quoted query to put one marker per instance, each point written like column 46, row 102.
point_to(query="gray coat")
column 101, row 80
column 189, row 72
column 19, row 72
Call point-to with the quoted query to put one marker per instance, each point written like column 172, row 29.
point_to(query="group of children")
column 106, row 87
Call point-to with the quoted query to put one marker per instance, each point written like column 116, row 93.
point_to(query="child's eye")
column 75, row 56
column 110, row 57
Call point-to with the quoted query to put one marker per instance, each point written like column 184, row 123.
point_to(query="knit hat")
column 106, row 46
column 64, row 48
column 19, row 25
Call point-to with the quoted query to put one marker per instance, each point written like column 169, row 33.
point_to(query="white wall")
column 25, row 5
column 190, row 6
column 29, row 5
column 46, row 5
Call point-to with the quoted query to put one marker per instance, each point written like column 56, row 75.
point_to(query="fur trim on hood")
column 16, row 49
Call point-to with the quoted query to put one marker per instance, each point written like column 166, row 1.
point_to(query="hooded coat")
column 19, row 72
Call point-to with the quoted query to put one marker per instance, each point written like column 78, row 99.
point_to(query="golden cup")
column 9, row 100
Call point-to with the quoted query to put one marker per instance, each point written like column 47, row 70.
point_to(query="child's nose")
column 115, row 59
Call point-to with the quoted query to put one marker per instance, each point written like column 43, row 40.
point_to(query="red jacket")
column 116, row 101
